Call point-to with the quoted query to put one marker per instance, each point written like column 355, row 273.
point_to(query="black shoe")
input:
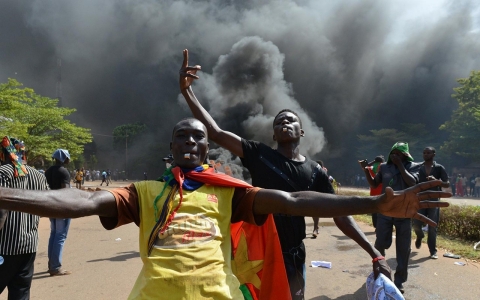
column 400, row 288
column 418, row 243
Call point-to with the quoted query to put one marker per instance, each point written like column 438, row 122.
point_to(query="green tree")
column 126, row 135
column 93, row 162
column 381, row 141
column 464, row 125
column 39, row 122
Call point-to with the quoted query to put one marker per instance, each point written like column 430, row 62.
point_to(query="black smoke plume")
column 346, row 66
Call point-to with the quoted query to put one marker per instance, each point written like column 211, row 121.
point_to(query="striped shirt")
column 20, row 233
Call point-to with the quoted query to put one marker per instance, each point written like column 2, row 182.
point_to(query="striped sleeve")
column 20, row 233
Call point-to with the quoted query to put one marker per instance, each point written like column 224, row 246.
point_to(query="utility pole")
column 126, row 154
column 59, row 82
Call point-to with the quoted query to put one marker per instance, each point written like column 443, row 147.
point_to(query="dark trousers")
column 434, row 214
column 374, row 220
column 403, row 228
column 16, row 274
column 295, row 268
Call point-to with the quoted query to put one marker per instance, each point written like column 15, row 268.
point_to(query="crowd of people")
column 81, row 175
column 464, row 186
column 186, row 220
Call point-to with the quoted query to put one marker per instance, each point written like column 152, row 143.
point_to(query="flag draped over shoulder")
column 257, row 259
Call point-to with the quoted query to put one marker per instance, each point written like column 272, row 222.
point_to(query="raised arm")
column 63, row 203
column 226, row 139
column 398, row 204
column 372, row 181
column 406, row 175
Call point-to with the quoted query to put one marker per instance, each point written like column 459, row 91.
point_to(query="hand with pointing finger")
column 187, row 73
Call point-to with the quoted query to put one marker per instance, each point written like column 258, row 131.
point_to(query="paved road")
column 454, row 200
column 105, row 265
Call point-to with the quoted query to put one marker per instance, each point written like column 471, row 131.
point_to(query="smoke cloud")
column 345, row 66
column 248, row 88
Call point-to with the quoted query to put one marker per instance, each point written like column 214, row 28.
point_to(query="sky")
column 345, row 66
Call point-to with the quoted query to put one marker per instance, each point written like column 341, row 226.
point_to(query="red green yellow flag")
column 258, row 262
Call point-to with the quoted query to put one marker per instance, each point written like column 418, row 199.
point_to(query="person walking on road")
column 430, row 170
column 58, row 177
column 79, row 178
column 397, row 173
column 104, row 178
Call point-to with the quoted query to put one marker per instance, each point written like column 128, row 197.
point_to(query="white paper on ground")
column 321, row 263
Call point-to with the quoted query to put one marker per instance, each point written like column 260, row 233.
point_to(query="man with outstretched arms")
column 184, row 220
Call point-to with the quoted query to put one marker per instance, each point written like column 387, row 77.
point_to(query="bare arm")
column 372, row 181
column 63, row 203
column 406, row 176
column 226, row 139
column 350, row 228
column 399, row 204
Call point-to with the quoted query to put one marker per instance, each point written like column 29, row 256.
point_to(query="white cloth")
column 382, row 288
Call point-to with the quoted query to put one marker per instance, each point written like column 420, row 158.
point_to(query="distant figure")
column 465, row 185
column 477, row 186
column 459, row 184
column 58, row 178
column 109, row 177
column 79, row 178
column 104, row 178
column 144, row 175
column 453, row 184
column 471, row 183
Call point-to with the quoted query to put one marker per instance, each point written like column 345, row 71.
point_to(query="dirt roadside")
column 105, row 265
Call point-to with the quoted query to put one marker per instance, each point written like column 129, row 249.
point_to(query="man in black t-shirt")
column 58, row 177
column 285, row 169
column 430, row 170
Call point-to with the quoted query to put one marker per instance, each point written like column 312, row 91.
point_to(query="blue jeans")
column 58, row 235
column 434, row 214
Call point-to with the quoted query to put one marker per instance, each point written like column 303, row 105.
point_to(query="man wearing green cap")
column 398, row 173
